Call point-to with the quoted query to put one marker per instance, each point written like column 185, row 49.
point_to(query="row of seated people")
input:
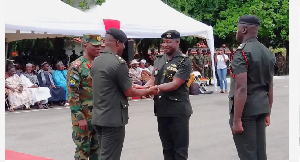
column 24, row 89
column 140, row 73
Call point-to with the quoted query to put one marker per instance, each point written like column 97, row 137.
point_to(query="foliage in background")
column 276, row 50
column 221, row 14
column 273, row 15
column 83, row 4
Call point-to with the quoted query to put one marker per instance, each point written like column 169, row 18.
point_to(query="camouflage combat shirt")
column 79, row 87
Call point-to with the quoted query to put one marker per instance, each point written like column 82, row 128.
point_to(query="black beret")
column 249, row 20
column 171, row 34
column 117, row 34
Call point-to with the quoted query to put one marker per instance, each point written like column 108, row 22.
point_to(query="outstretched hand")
column 154, row 90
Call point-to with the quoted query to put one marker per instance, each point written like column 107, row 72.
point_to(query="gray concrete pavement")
column 47, row 133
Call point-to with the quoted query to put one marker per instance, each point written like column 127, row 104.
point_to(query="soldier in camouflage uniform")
column 207, row 66
column 280, row 64
column 191, row 57
column 80, row 96
column 200, row 62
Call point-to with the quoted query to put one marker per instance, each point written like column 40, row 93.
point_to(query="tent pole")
column 6, row 50
column 210, row 43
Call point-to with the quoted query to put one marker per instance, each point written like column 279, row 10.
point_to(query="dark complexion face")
column 46, row 67
column 170, row 45
column 242, row 30
column 134, row 66
column 92, row 50
column 60, row 67
column 141, row 65
column 120, row 47
column 12, row 72
column 28, row 69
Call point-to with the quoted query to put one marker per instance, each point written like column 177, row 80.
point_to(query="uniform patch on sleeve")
column 76, row 77
column 72, row 82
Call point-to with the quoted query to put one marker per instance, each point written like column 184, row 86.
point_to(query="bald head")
column 110, row 41
column 114, row 45
column 246, row 32
column 247, row 27
column 251, row 29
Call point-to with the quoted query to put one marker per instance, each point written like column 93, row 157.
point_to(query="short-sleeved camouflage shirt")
column 79, row 86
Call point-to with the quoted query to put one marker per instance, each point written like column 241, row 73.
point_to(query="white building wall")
column 73, row 46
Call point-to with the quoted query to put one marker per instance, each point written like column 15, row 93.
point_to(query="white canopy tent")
column 31, row 19
column 151, row 18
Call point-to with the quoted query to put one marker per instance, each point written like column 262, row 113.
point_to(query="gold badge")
column 173, row 65
column 99, row 38
column 169, row 35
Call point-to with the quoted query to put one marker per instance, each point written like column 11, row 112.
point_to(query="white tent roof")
column 31, row 19
column 151, row 18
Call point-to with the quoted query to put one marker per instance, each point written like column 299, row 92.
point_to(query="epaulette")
column 121, row 60
column 184, row 55
column 159, row 55
column 241, row 46
column 76, row 64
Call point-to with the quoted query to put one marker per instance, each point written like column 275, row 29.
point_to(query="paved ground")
column 47, row 133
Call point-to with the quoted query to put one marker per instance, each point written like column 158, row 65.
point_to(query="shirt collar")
column 251, row 40
column 176, row 54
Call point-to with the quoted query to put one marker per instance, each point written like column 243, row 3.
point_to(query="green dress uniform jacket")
column 110, row 79
column 177, row 102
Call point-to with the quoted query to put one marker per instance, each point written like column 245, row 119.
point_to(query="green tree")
column 272, row 13
column 205, row 11
column 83, row 4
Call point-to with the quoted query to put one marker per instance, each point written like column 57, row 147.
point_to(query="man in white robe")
column 18, row 94
column 40, row 94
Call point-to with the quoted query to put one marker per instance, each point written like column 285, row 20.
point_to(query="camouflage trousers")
column 207, row 72
column 87, row 146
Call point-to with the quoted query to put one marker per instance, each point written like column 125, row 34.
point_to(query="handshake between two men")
column 148, row 89
column 151, row 90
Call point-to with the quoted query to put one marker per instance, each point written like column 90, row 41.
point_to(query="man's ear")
column 84, row 44
column 177, row 41
column 245, row 29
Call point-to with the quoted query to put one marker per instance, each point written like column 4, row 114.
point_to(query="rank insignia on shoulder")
column 75, row 77
column 120, row 59
column 72, row 82
column 76, row 64
column 241, row 46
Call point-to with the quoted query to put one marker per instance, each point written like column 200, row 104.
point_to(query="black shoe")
column 49, row 105
column 46, row 106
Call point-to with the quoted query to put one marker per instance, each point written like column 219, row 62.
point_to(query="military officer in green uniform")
column 200, row 62
column 111, row 88
column 172, row 106
column 80, row 96
column 206, row 65
column 251, row 91
column 191, row 57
